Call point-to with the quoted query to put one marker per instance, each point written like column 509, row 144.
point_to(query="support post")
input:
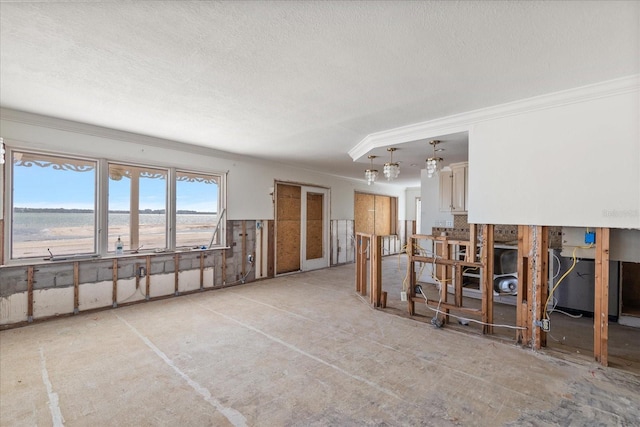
column 411, row 272
column 376, row 269
column 148, row 277
column 201, row 270
column 601, row 303
column 30, row 294
column 114, row 293
column 487, row 277
column 523, row 313
column 473, row 243
column 538, row 274
column 176, row 273
column 76, row 287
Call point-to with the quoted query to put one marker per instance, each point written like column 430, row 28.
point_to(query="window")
column 137, row 207
column 53, row 205
column 197, row 209
column 57, row 205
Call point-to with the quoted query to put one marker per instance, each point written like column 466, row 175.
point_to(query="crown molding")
column 462, row 122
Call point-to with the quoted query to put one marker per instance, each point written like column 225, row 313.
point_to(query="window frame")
column 101, row 203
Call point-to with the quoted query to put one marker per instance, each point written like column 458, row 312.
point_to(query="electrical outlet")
column 545, row 325
column 403, row 296
column 250, row 259
column 449, row 223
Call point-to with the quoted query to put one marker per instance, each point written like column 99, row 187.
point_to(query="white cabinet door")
column 459, row 188
column 445, row 191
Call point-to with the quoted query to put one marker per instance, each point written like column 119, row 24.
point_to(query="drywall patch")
column 95, row 295
column 13, row 308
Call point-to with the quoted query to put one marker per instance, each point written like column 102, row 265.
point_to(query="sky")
column 45, row 187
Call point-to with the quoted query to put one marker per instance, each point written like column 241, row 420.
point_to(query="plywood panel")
column 364, row 213
column 315, row 228
column 382, row 215
column 288, row 228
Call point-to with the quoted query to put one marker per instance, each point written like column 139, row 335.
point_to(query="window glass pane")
column 137, row 207
column 53, row 205
column 197, row 207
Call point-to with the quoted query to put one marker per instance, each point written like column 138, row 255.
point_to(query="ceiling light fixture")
column 433, row 162
column 371, row 174
column 391, row 170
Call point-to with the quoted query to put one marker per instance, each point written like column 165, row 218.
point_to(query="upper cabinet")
column 453, row 188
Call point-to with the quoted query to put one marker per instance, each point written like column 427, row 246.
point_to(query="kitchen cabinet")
column 453, row 188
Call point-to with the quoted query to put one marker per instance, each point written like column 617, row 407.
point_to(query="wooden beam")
column 148, row 276
column 375, row 269
column 30, row 294
column 114, row 292
column 244, row 248
column 201, row 270
column 523, row 317
column 487, row 277
column 176, row 273
column 601, row 303
column 538, row 276
column 458, row 285
column 76, row 287
column 473, row 243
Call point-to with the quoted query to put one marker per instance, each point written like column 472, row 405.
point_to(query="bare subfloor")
column 296, row 350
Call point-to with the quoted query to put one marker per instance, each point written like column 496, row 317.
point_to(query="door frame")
column 317, row 263
column 326, row 213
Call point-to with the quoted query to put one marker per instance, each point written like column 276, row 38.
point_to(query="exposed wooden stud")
column 76, row 287
column 473, row 243
column 523, row 317
column 148, row 276
column 224, row 266
column 30, row 294
column 601, row 303
column 201, row 270
column 411, row 272
column 176, row 273
column 538, row 283
column 458, row 285
column 244, row 248
column 114, row 294
column 375, row 275
column 270, row 249
column 487, row 277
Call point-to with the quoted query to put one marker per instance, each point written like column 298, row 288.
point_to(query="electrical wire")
column 575, row 261
column 467, row 319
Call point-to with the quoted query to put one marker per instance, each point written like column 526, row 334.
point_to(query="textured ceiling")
column 301, row 82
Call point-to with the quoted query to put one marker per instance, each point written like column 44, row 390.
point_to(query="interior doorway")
column 302, row 228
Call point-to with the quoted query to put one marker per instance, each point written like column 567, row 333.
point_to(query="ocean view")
column 37, row 226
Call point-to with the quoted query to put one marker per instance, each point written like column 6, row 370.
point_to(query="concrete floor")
column 296, row 350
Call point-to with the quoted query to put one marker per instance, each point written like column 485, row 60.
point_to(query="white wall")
column 411, row 194
column 574, row 164
column 430, row 196
column 249, row 180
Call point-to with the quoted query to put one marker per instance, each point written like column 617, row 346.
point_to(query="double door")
column 302, row 228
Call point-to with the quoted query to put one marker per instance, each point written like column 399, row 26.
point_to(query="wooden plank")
column 450, row 262
column 375, row 266
column 601, row 303
column 30, row 294
column 487, row 277
column 448, row 306
column 364, row 213
column 362, row 244
column 114, row 293
column 270, row 249
column 314, row 226
column 458, row 285
column 224, row 266
column 148, row 276
column 539, row 282
column 76, row 287
column 288, row 220
column 473, row 243
column 201, row 270
column 523, row 336
column 411, row 272
column 176, row 273
column 244, row 248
